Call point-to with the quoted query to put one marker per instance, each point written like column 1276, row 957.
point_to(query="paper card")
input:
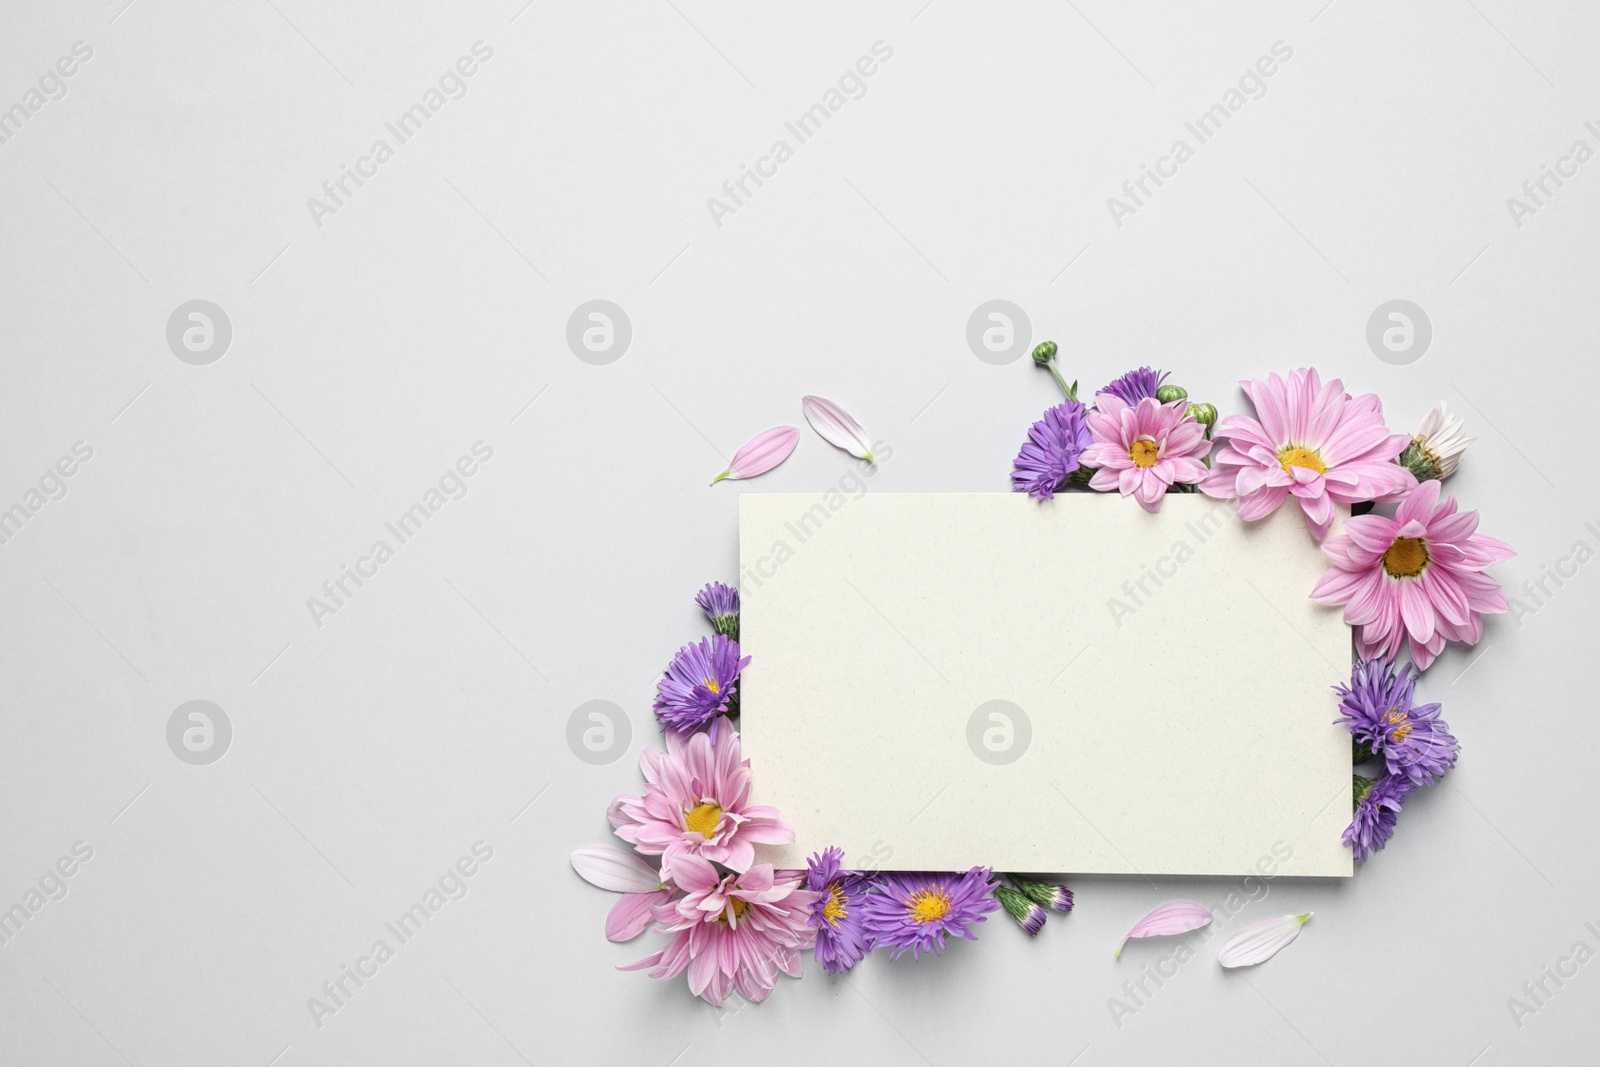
column 948, row 680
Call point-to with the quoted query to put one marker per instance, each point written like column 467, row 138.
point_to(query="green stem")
column 1065, row 388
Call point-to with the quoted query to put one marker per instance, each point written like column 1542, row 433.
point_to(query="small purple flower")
column 837, row 913
column 1377, row 706
column 1051, row 452
column 699, row 682
column 1377, row 810
column 721, row 605
column 1136, row 385
column 916, row 910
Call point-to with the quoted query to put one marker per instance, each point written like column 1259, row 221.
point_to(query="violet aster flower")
column 1051, row 453
column 698, row 683
column 1377, row 810
column 1136, row 385
column 1378, row 707
column 916, row 910
column 721, row 605
column 837, row 914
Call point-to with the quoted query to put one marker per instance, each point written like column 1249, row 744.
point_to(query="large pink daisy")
column 1313, row 442
column 732, row 933
column 1417, row 576
column 696, row 802
column 1142, row 450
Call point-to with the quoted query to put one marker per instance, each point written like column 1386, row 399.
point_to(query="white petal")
column 1261, row 941
column 836, row 427
column 615, row 869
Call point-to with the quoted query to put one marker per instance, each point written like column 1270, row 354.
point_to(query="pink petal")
column 836, row 427
column 1260, row 941
column 1173, row 917
column 763, row 452
column 632, row 913
column 616, row 869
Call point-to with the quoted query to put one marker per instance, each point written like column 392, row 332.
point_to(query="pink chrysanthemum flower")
column 732, row 933
column 1418, row 576
column 696, row 802
column 1312, row 441
column 1142, row 450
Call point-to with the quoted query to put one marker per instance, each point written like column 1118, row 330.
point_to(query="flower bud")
column 1168, row 393
column 1362, row 785
column 1204, row 414
column 1029, row 915
column 1044, row 352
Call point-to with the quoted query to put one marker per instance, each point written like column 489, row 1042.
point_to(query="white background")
column 430, row 313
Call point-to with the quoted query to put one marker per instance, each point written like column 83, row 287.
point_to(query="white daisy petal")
column 1261, row 941
column 616, row 869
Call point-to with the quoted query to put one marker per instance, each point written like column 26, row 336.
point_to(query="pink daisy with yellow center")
column 1418, row 577
column 1142, row 449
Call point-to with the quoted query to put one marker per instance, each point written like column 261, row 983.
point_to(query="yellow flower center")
column 1401, row 722
column 738, row 909
column 929, row 905
column 703, row 819
column 1301, row 457
column 715, row 686
column 1144, row 452
column 834, row 909
column 1406, row 557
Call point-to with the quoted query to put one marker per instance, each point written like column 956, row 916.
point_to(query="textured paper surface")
column 1171, row 674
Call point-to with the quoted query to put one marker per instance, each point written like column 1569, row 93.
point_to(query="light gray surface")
column 430, row 311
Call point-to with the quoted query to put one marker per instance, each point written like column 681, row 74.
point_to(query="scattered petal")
column 761, row 453
column 1261, row 941
column 616, row 869
column 836, row 427
column 1173, row 917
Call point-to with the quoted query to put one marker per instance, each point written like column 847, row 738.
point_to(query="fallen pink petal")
column 835, row 426
column 1261, row 941
column 761, row 453
column 1173, row 917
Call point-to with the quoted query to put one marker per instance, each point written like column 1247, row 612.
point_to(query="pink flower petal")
column 616, row 869
column 1173, row 917
column 1260, row 941
column 632, row 913
column 836, row 427
column 761, row 453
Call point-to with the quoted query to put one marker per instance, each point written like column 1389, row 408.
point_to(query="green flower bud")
column 1363, row 786
column 1168, row 393
column 1044, row 352
column 1204, row 414
column 1029, row 915
column 1360, row 752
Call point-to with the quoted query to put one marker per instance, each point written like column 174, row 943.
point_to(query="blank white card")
column 947, row 680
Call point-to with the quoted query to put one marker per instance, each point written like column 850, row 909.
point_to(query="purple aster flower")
column 916, row 910
column 699, row 682
column 1136, row 385
column 1377, row 810
column 1377, row 705
column 837, row 913
column 721, row 605
column 1051, row 452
